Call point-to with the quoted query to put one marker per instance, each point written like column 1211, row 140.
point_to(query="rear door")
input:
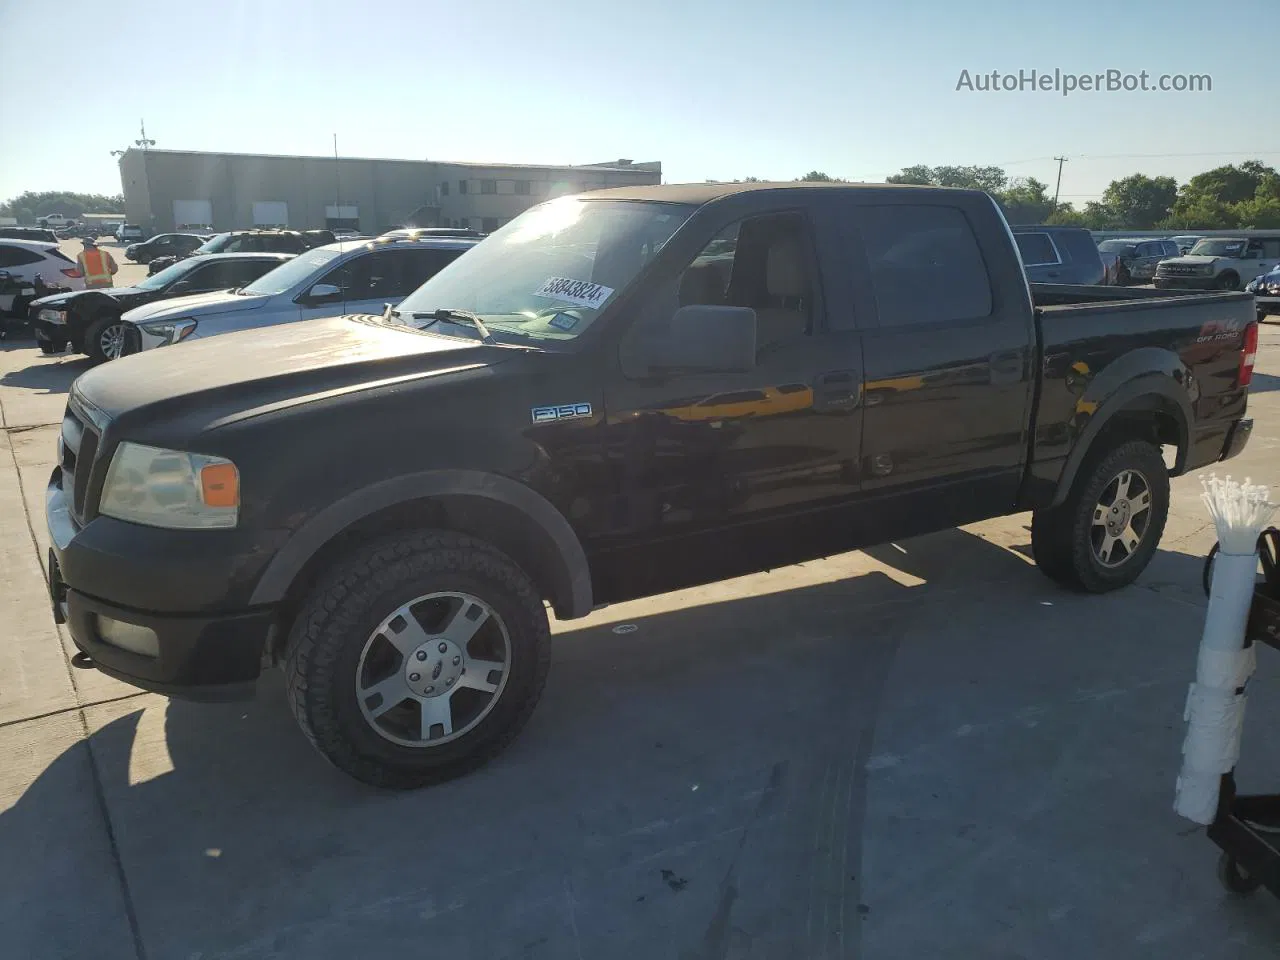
column 1040, row 256
column 948, row 361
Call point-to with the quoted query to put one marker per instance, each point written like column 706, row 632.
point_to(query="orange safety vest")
column 96, row 265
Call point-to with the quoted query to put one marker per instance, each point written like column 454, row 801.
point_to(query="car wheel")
column 1106, row 531
column 106, row 338
column 49, row 348
column 1228, row 281
column 418, row 658
column 1123, row 277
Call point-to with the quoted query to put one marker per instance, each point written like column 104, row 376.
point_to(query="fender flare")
column 1151, row 384
column 573, row 580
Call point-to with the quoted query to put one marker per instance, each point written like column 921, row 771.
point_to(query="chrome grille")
column 79, row 448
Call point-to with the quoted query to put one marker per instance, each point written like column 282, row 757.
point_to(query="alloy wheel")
column 433, row 669
column 1121, row 518
column 112, row 340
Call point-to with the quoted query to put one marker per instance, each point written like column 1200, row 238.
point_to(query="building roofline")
column 639, row 168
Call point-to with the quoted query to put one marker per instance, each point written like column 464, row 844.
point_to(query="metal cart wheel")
column 1234, row 878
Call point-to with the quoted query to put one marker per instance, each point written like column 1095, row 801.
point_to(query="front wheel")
column 106, row 338
column 418, row 658
column 1106, row 531
column 1228, row 281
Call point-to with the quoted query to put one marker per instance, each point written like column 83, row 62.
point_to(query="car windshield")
column 290, row 273
column 1218, row 248
column 214, row 244
column 171, row 273
column 1117, row 246
column 549, row 272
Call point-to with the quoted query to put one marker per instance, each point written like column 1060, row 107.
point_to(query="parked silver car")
column 326, row 281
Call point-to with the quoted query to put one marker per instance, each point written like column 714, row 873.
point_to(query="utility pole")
column 1061, row 161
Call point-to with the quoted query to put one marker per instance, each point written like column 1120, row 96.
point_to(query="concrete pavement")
column 924, row 750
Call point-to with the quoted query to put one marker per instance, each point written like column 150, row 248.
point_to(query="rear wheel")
column 1104, row 534
column 106, row 338
column 418, row 659
column 49, row 349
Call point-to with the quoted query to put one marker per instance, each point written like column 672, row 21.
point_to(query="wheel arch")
column 509, row 515
column 1153, row 406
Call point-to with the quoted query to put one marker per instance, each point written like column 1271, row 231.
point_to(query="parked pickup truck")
column 614, row 395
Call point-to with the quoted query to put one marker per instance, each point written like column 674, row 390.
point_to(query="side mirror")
column 703, row 339
column 324, row 293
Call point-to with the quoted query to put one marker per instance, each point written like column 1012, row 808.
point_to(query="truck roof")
column 700, row 193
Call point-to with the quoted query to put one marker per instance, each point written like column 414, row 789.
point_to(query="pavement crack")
column 27, row 427
column 77, row 708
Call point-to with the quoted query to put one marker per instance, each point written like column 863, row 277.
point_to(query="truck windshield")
column 549, row 272
column 1218, row 248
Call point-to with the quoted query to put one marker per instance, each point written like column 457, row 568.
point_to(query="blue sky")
column 714, row 90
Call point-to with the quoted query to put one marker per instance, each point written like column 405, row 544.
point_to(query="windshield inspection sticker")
column 582, row 293
column 563, row 321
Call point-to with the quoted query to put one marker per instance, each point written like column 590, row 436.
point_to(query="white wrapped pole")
column 1215, row 709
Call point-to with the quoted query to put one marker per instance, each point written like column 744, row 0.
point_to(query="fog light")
column 129, row 636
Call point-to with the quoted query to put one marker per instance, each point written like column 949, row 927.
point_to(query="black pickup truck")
column 616, row 394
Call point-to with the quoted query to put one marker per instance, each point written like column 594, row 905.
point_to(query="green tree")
column 1259, row 213
column 28, row 206
column 990, row 179
column 1200, row 213
column 1067, row 216
column 817, row 176
column 1025, row 201
column 1140, row 201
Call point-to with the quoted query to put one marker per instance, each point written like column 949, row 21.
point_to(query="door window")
column 765, row 263
column 369, row 277
column 17, row 256
column 1037, row 249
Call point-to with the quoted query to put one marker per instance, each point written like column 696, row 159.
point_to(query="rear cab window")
column 925, row 264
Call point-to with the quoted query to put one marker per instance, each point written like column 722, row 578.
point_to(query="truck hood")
column 196, row 305
column 256, row 370
column 1198, row 260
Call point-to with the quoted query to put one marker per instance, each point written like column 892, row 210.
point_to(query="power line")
column 1143, row 156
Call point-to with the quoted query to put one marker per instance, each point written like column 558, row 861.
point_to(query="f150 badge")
column 568, row 411
column 1218, row 330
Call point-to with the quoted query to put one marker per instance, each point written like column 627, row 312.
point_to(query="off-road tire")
column 1227, row 281
column 347, row 605
column 1061, row 535
column 50, row 349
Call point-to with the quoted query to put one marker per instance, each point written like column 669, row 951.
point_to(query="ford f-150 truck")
column 616, row 394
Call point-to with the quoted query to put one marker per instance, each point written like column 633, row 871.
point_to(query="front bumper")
column 1185, row 283
column 212, row 651
column 47, row 331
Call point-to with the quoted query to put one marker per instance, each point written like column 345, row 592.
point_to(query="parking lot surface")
column 925, row 750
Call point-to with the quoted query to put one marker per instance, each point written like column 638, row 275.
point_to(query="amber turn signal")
column 220, row 485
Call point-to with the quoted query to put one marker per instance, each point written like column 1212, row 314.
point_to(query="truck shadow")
column 48, row 375
column 1264, row 383
column 692, row 785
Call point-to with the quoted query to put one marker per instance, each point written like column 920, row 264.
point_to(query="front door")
column 948, row 367
column 716, row 474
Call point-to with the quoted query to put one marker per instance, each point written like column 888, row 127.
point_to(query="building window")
column 462, row 186
column 488, row 186
column 489, row 224
column 522, row 187
column 444, row 189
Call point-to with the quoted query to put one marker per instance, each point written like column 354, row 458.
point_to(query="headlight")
column 171, row 488
column 171, row 331
column 52, row 316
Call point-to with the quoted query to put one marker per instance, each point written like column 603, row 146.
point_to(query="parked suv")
column 163, row 245
column 1052, row 254
column 614, row 395
column 247, row 241
column 130, row 233
column 1138, row 258
column 1220, row 263
column 335, row 279
column 90, row 321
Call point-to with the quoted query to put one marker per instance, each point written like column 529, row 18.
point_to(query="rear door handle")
column 837, row 390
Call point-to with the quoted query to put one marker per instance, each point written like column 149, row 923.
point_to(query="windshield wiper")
column 464, row 316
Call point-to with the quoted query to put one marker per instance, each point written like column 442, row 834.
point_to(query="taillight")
column 1248, row 355
column 71, row 272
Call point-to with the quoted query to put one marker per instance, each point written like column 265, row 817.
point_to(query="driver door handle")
column 837, row 390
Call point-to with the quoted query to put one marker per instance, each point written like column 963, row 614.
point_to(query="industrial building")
column 181, row 189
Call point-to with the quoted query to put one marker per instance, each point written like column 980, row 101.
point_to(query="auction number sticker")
column 581, row 293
